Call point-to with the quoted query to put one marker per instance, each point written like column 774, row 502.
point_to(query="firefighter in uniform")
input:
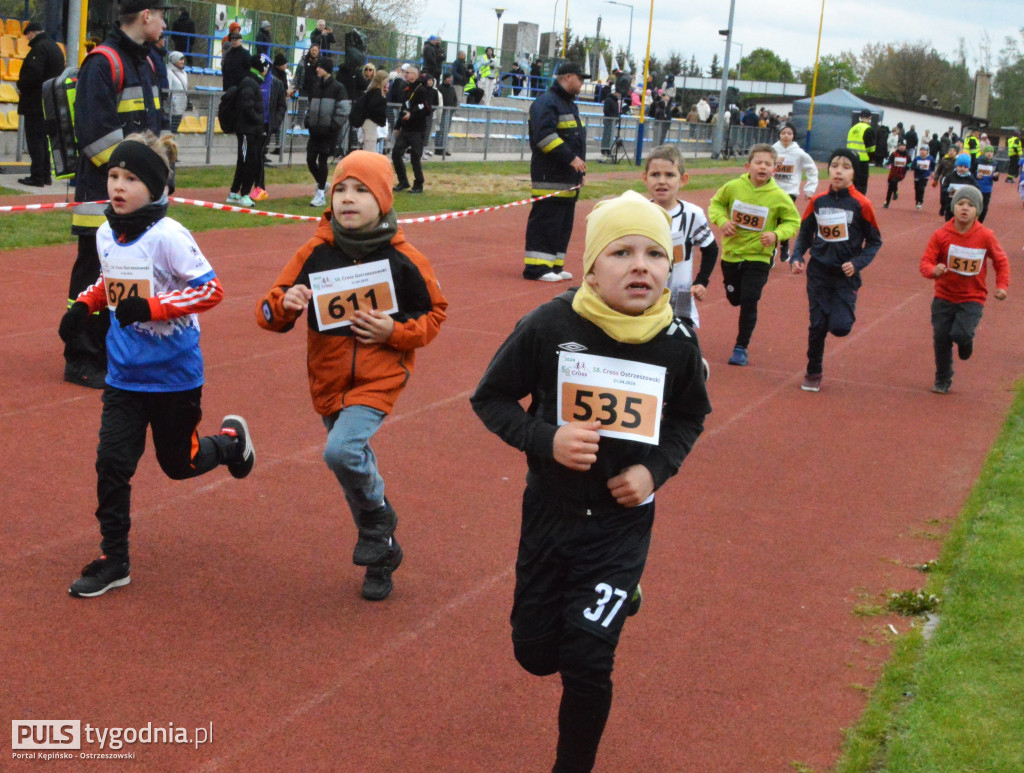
column 558, row 162
column 1013, row 149
column 861, row 140
column 117, row 93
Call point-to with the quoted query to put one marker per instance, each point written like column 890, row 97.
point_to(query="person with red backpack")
column 117, row 93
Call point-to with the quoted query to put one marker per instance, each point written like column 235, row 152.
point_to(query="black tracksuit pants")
column 174, row 419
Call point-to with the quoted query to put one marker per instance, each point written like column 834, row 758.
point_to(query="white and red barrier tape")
column 286, row 216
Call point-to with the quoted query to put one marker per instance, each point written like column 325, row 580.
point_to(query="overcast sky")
column 691, row 28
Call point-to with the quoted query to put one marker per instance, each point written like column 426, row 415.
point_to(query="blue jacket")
column 557, row 136
column 104, row 117
column 923, row 174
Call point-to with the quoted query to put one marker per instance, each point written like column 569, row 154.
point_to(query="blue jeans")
column 350, row 458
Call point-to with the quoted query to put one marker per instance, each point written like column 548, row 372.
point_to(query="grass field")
column 451, row 187
column 953, row 701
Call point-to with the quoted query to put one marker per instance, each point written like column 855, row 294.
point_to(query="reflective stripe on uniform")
column 549, row 143
column 540, row 259
column 99, row 151
column 567, row 121
column 88, row 215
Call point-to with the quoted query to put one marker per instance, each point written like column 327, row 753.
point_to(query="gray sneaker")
column 100, row 576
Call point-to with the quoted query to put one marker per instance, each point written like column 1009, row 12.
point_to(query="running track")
column 244, row 608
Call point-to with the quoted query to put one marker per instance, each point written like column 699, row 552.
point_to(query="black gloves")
column 72, row 321
column 131, row 310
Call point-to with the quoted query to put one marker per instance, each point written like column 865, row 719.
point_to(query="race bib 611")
column 338, row 294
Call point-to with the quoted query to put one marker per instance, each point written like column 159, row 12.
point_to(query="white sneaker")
column 318, row 200
column 551, row 276
column 234, row 198
column 565, row 275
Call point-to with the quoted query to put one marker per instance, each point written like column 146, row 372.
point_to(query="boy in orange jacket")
column 372, row 300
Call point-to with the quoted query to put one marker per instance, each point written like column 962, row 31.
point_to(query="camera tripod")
column 618, row 150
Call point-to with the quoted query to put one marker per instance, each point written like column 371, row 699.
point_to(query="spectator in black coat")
column 449, row 101
column 305, row 71
column 263, row 39
column 911, row 138
column 44, row 61
column 182, row 28
column 536, row 78
column 250, row 129
column 433, row 58
column 322, row 36
column 235, row 62
column 517, row 76
column 460, row 74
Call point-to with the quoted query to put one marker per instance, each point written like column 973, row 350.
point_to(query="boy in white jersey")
column 154, row 281
column 664, row 174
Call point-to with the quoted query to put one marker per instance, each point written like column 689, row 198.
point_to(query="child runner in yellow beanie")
column 617, row 400
column 372, row 300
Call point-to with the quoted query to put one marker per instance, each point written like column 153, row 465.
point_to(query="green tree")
column 834, row 72
column 761, row 64
column 715, row 70
column 907, row 71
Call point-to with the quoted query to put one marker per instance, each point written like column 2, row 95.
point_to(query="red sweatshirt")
column 965, row 255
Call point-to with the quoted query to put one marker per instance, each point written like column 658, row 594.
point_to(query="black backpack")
column 226, row 110
column 358, row 112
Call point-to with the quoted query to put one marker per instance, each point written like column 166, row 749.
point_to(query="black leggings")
column 318, row 150
column 174, row 418
column 744, row 282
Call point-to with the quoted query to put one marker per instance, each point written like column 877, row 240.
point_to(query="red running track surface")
column 244, row 608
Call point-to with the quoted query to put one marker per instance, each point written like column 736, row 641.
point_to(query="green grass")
column 955, row 703
column 452, row 186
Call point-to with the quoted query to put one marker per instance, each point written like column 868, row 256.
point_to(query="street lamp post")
column 739, row 64
column 497, row 29
column 716, row 144
column 629, row 45
column 554, row 29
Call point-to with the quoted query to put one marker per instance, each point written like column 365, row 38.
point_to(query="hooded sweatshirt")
column 794, row 163
column 767, row 208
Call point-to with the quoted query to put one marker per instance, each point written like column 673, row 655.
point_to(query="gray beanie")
column 967, row 192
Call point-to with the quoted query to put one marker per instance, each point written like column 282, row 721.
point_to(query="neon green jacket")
column 783, row 218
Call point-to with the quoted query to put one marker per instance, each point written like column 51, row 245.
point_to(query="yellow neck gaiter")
column 624, row 328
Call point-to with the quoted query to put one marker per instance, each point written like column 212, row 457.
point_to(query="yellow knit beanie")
column 626, row 215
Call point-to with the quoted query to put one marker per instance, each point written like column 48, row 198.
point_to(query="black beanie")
column 845, row 153
column 326, row 63
column 143, row 162
column 280, row 59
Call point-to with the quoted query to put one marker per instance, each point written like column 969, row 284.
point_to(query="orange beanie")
column 371, row 169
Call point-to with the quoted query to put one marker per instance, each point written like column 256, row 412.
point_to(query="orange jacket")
column 343, row 371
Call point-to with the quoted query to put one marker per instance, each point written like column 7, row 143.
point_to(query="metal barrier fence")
column 470, row 129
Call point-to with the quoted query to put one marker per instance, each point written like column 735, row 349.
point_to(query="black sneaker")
column 942, row 386
column 32, row 181
column 965, row 349
column 235, row 426
column 377, row 584
column 84, row 374
column 416, row 189
column 635, row 601
column 401, row 187
column 100, row 576
column 375, row 530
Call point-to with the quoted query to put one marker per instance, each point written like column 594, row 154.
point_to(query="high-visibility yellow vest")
column 855, row 141
column 973, row 146
column 1013, row 146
